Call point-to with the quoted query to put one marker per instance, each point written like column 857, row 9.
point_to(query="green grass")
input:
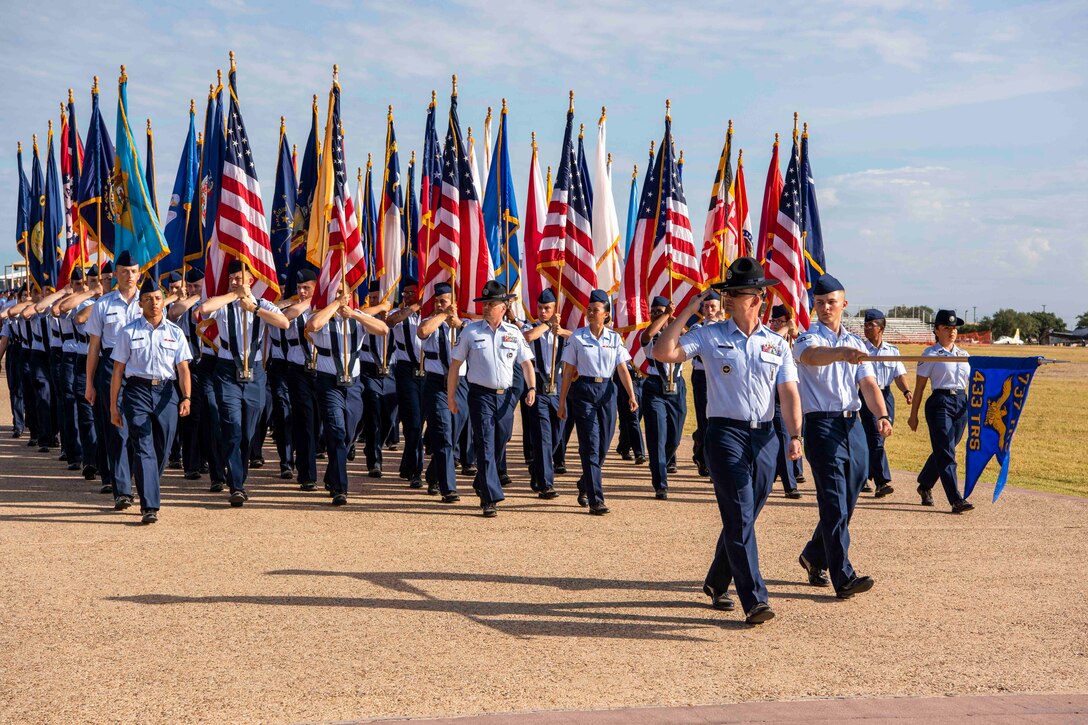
column 1050, row 450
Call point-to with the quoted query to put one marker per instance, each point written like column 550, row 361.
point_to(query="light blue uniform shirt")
column 697, row 360
column 440, row 344
column 150, row 352
column 830, row 388
column 39, row 332
column 82, row 337
column 945, row 376
column 595, row 357
column 885, row 372
column 542, row 353
column 222, row 322
column 299, row 348
column 741, row 370
column 109, row 316
column 327, row 360
column 491, row 354
column 407, row 347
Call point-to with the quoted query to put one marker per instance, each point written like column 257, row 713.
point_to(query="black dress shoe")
column 759, row 614
column 63, row 456
column 626, row 456
column 468, row 470
column 548, row 494
column 174, row 464
column 816, row 577
column 700, row 466
column 217, row 486
column 237, row 498
column 256, row 462
column 962, row 507
column 800, row 479
column 884, row 489
column 598, row 510
column 150, row 517
column 322, row 456
column 451, row 498
column 32, row 442
column 351, row 452
column 719, row 600
column 287, row 474
column 671, row 468
column 308, row 486
column 89, row 472
column 639, row 460
column 927, row 496
column 16, row 434
column 432, row 488
column 122, row 502
column 192, row 475
column 561, row 469
column 393, row 447
column 204, row 469
column 867, row 487
column 43, row 449
column 489, row 510
column 375, row 472
column 583, row 500
column 504, row 479
column 793, row 493
column 75, row 466
column 857, row 585
column 339, row 499
column 662, row 495
column 416, row 482
column 106, row 488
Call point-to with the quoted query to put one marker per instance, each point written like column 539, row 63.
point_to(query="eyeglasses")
column 737, row 293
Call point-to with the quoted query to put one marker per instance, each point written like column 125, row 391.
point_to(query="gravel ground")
column 288, row 610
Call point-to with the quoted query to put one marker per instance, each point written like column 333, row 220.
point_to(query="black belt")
column 825, row 415
column 949, row 391
column 147, row 382
column 436, row 376
column 495, row 391
column 742, row 424
column 593, row 380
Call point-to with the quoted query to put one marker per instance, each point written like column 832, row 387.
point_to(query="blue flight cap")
column 872, row 315
column 409, row 282
column 306, row 275
column 659, row 301
column 173, row 277
column 192, row 276
column 547, row 297
column 599, row 295
column 148, row 286
column 713, row 295
column 93, row 271
column 442, row 288
column 124, row 259
column 781, row 311
column 374, row 286
column 826, row 284
column 107, row 267
column 77, row 274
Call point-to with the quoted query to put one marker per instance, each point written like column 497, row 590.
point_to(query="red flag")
column 532, row 284
column 744, row 219
column 772, row 192
column 713, row 257
column 787, row 257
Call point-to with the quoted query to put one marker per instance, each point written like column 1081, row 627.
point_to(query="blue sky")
column 950, row 161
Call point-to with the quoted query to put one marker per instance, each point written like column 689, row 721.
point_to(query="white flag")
column 606, row 225
column 474, row 168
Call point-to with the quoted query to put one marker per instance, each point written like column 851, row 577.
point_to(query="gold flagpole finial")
column 533, row 133
column 651, row 148
column 211, row 91
column 71, row 98
column 34, row 138
column 454, row 84
column 729, row 131
column 681, row 159
column 149, row 126
column 199, row 137
column 124, row 78
column 315, row 103
column 804, row 133
column 192, row 105
column 62, row 109
column 570, row 108
column 50, row 127
column 581, row 131
column 634, row 174
column 470, row 133
column 668, row 109
column 94, row 87
column 283, row 124
column 489, row 110
column 294, row 149
column 19, row 146
column 218, row 77
column 233, row 65
column 795, row 115
column 604, row 112
column 369, row 161
column 335, row 72
column 609, row 158
column 776, row 139
column 434, row 95
column 390, row 116
column 413, row 159
column 503, row 106
column 360, row 174
column 740, row 155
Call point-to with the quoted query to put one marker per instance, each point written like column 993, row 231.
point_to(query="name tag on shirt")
column 139, row 343
column 770, row 357
column 479, row 344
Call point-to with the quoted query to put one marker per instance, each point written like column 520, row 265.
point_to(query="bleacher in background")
column 899, row 331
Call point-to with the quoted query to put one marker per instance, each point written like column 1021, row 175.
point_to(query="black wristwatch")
column 184, row 399
column 885, row 417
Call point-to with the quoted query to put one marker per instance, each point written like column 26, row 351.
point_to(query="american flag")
column 344, row 260
column 241, row 227
column 787, row 262
column 716, row 229
column 458, row 251
column 632, row 303
column 566, row 249
column 390, row 242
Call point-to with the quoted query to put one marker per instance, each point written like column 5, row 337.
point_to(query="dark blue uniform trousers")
column 492, row 416
column 839, row 459
column 946, row 416
column 113, row 440
column 785, row 469
column 664, row 416
column 205, row 396
column 151, row 414
column 878, row 473
column 441, row 431
column 43, row 390
column 15, row 386
column 340, row 407
column 698, row 395
column 279, row 411
column 742, row 463
column 58, row 404
column 630, row 423
column 376, row 414
column 544, row 433
column 240, row 406
column 410, row 403
column 593, row 408
column 72, row 394
column 93, row 454
column 26, row 380
column 300, row 388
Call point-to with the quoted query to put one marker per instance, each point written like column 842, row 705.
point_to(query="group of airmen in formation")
column 106, row 367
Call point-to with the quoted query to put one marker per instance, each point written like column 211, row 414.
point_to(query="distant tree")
column 1048, row 322
column 1005, row 323
column 1082, row 321
column 920, row 312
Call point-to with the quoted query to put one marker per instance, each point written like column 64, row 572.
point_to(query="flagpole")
column 728, row 151
column 453, row 275
column 500, row 190
column 26, row 242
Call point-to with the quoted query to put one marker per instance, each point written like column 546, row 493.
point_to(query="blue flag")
column 135, row 226
column 811, row 232
column 22, row 212
column 997, row 392
column 211, row 168
column 583, row 172
column 283, row 205
column 94, row 179
column 149, row 171
column 632, row 214
column 183, row 205
column 409, row 219
column 501, row 221
column 370, row 227
column 36, row 223
column 304, row 199
column 54, row 233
